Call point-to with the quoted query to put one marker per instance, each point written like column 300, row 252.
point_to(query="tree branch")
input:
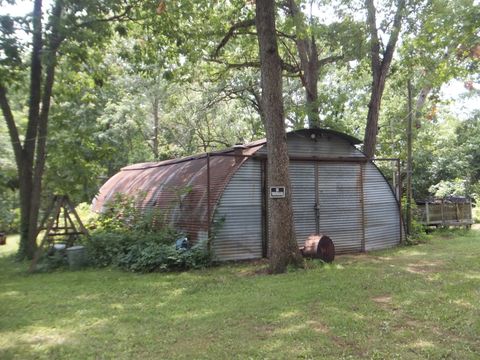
column 231, row 33
column 294, row 69
column 329, row 60
column 375, row 42
column 12, row 127
column 119, row 17
column 392, row 41
column 246, row 64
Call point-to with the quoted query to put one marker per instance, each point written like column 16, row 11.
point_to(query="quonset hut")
column 336, row 191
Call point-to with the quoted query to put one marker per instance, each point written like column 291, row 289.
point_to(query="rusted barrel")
column 319, row 246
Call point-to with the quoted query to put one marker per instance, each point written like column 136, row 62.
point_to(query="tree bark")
column 308, row 53
column 283, row 246
column 27, row 248
column 50, row 62
column 380, row 67
column 31, row 157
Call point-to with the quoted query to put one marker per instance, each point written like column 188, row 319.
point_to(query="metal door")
column 303, row 177
column 340, row 205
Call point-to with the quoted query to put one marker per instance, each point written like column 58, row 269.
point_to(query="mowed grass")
column 407, row 303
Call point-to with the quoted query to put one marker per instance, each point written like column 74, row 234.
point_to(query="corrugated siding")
column 382, row 224
column 302, row 177
column 340, row 205
column 324, row 146
column 240, row 236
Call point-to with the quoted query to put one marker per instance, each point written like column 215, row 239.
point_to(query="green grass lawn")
column 407, row 303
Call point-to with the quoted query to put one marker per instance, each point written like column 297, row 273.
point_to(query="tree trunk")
column 380, row 68
column 30, row 157
column 283, row 247
column 50, row 55
column 27, row 246
column 308, row 53
column 310, row 63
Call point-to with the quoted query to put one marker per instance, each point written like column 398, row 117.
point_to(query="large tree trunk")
column 380, row 67
column 30, row 157
column 283, row 246
column 27, row 246
column 50, row 55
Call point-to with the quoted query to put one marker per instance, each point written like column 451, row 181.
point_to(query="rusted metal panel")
column 381, row 211
column 178, row 189
column 240, row 212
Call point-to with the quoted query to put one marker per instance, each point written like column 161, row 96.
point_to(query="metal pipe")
column 264, row 208
column 400, row 210
column 208, row 203
column 362, row 202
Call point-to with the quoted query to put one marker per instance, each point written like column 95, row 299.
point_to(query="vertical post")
column 427, row 214
column 409, row 158
column 470, row 215
column 400, row 211
column 208, row 203
column 264, row 208
column 362, row 201
column 442, row 210
column 317, row 200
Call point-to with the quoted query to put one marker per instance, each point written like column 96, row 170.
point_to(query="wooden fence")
column 445, row 214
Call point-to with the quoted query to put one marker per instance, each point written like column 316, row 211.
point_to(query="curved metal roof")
column 352, row 140
column 178, row 187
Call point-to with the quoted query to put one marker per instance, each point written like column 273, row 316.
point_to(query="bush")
column 104, row 247
column 144, row 252
column 476, row 214
column 139, row 241
column 87, row 215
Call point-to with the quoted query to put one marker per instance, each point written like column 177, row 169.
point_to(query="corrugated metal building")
column 335, row 191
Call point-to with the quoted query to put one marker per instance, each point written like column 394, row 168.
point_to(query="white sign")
column 277, row 192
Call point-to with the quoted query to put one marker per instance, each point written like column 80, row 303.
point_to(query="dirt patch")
column 424, row 267
column 383, row 299
column 318, row 327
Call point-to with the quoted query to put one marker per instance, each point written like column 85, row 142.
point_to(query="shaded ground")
column 407, row 303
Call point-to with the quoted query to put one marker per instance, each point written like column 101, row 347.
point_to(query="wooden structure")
column 59, row 226
column 445, row 213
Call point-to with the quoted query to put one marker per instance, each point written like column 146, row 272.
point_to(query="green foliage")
column 476, row 213
column 149, row 256
column 418, row 232
column 144, row 252
column 457, row 187
column 89, row 218
column 104, row 247
column 52, row 261
column 140, row 241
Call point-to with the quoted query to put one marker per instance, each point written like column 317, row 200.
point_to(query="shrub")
column 87, row 215
column 104, row 247
column 144, row 252
column 139, row 241
column 476, row 214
